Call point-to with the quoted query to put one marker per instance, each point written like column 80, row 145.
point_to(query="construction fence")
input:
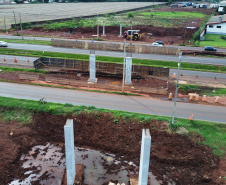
column 101, row 67
column 134, row 48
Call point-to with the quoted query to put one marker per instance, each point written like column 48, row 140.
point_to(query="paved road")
column 22, row 61
column 200, row 74
column 49, row 39
column 202, row 60
column 114, row 102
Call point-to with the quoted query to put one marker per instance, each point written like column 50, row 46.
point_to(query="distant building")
column 221, row 6
column 216, row 25
column 5, row 1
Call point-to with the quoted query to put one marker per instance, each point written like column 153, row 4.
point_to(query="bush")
column 130, row 15
column 196, row 43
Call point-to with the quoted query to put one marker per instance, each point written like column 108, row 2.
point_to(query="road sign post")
column 175, row 99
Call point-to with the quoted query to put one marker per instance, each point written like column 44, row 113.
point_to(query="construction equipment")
column 135, row 35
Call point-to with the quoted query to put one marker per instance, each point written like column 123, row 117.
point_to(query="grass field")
column 154, row 18
column 213, row 40
column 173, row 14
column 22, row 111
column 41, row 42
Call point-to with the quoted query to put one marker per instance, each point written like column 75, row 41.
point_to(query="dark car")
column 160, row 42
column 210, row 48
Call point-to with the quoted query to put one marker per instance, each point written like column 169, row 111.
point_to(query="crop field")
column 43, row 12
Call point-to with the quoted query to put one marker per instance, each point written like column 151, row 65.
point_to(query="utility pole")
column 131, row 34
column 15, row 22
column 175, row 99
column 4, row 23
column 97, row 28
column 123, row 77
column 21, row 28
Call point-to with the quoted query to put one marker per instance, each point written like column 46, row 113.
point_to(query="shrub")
column 130, row 15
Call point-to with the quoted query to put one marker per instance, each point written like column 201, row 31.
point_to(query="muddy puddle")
column 46, row 164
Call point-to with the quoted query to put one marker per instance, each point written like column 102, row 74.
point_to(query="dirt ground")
column 152, row 82
column 176, row 156
column 171, row 36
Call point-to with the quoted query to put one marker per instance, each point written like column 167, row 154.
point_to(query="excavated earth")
column 176, row 156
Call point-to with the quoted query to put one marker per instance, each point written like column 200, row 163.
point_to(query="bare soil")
column 176, row 156
column 171, row 36
column 151, row 82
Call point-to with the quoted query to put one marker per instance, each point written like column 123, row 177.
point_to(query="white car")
column 156, row 44
column 3, row 44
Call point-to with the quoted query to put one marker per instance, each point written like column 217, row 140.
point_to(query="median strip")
column 155, row 63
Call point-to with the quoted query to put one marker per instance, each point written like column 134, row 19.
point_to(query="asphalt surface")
column 189, row 59
column 114, row 102
column 49, row 39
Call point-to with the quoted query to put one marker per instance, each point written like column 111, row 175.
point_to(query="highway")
column 114, row 102
column 189, row 59
column 49, row 39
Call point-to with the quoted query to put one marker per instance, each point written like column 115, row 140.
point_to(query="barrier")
column 135, row 48
column 101, row 67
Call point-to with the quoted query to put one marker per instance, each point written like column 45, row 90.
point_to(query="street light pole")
column 175, row 99
column 123, row 76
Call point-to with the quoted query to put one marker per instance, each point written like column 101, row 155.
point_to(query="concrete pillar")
column 128, row 70
column 92, row 69
column 144, row 157
column 103, row 29
column 97, row 29
column 70, row 151
column 120, row 30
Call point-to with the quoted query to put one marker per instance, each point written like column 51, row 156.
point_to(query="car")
column 210, row 48
column 160, row 42
column 156, row 44
column 3, row 44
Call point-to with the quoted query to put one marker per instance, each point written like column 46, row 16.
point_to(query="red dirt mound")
column 173, row 155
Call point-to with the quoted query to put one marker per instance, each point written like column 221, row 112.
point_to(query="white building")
column 216, row 25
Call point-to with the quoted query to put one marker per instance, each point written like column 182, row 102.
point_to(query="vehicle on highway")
column 160, row 42
column 3, row 44
column 156, row 44
column 210, row 48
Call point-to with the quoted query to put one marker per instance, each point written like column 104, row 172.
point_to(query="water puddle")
column 46, row 165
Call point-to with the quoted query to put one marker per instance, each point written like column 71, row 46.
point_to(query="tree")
column 224, row 9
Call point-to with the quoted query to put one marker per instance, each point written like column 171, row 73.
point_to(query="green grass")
column 217, row 92
column 151, row 17
column 174, row 15
column 203, row 90
column 214, row 134
column 40, row 42
column 213, row 40
column 24, row 117
column 156, row 63
column 12, row 69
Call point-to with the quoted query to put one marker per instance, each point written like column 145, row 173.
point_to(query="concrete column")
column 70, row 151
column 92, row 69
column 120, row 30
column 144, row 157
column 103, row 29
column 128, row 70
